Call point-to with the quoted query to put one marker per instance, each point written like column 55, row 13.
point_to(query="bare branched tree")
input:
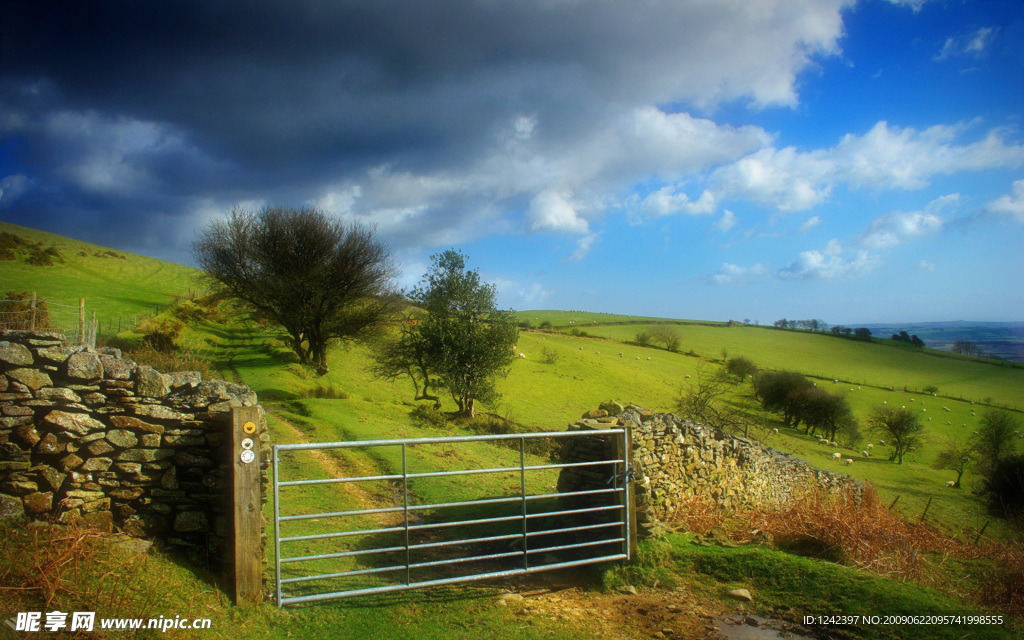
column 316, row 277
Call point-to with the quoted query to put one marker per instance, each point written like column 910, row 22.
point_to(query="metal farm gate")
column 359, row 534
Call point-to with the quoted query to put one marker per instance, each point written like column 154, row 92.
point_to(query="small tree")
column 820, row 409
column 667, row 336
column 899, row 426
column 741, row 367
column 776, row 391
column 466, row 341
column 862, row 333
column 955, row 456
column 997, row 437
column 642, row 339
column 705, row 400
column 966, row 348
column 316, row 277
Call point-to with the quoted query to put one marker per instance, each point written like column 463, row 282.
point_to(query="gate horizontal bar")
column 445, row 440
column 451, row 543
column 443, row 581
column 343, row 554
column 421, row 507
column 342, row 534
column 357, row 572
column 577, row 545
column 437, row 474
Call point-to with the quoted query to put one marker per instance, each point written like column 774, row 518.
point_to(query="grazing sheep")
column 823, row 441
column 885, row 402
column 837, row 456
column 637, row 358
column 522, row 355
column 687, row 375
column 648, row 357
column 871, row 446
column 848, row 461
column 945, row 409
column 833, row 444
column 581, row 348
column 881, row 443
column 598, row 352
column 948, row 422
column 865, row 454
column 775, row 430
column 929, row 417
column 912, row 400
column 951, row 483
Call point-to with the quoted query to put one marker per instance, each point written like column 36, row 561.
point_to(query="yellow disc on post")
column 249, row 427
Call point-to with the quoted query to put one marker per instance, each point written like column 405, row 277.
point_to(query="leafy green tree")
column 997, row 437
column 955, row 456
column 667, row 336
column 862, row 333
column 318, row 278
column 741, row 367
column 465, row 343
column 900, row 427
column 407, row 356
column 776, row 391
column 820, row 409
column 642, row 339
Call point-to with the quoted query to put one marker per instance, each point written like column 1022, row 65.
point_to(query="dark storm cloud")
column 430, row 118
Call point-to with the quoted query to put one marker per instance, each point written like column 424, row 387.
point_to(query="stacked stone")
column 88, row 436
column 676, row 459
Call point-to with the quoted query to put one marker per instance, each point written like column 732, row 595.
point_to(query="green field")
column 112, row 286
column 349, row 404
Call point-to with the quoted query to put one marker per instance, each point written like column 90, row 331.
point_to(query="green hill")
column 113, row 283
column 561, row 376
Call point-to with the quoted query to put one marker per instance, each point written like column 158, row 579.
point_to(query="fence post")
column 95, row 330
column 624, row 451
column 32, row 315
column 245, row 457
column 81, row 321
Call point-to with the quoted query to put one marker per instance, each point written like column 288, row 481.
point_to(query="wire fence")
column 76, row 324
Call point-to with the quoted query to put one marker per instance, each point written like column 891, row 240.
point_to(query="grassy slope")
column 110, row 286
column 547, row 396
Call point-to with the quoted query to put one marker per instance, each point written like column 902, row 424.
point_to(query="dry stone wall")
column 675, row 459
column 89, row 436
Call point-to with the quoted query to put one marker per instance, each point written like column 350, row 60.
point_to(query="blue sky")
column 855, row 162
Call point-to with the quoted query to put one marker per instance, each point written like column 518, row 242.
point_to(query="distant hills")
column 996, row 339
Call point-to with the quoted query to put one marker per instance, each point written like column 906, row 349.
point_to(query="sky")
column 854, row 162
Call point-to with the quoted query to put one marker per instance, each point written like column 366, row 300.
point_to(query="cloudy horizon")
column 850, row 161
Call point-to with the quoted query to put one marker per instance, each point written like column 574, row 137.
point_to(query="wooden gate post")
column 245, row 456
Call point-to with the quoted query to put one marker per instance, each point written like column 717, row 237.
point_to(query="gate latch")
column 628, row 476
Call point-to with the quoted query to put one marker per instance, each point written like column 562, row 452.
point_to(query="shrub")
column 525, row 324
column 7, row 255
column 39, row 258
column 325, row 391
column 931, row 389
column 546, row 325
column 550, row 355
column 643, row 339
column 741, row 367
column 10, row 240
column 1005, row 485
column 160, row 333
column 16, row 311
column 428, row 416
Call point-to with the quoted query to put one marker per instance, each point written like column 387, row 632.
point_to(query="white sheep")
column 848, row 461
column 833, row 444
column 637, row 358
column 522, row 355
column 865, row 454
column 598, row 352
column 822, row 440
column 951, row 483
column 775, row 430
column 881, row 442
column 837, row 455
column 871, row 446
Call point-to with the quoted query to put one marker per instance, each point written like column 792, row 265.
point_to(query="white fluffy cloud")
column 898, row 227
column 551, row 211
column 13, row 187
column 883, row 158
column 829, row 264
column 733, row 274
column 1010, row 205
column 726, row 222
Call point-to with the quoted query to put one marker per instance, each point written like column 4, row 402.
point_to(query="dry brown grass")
column 48, row 568
column 865, row 534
